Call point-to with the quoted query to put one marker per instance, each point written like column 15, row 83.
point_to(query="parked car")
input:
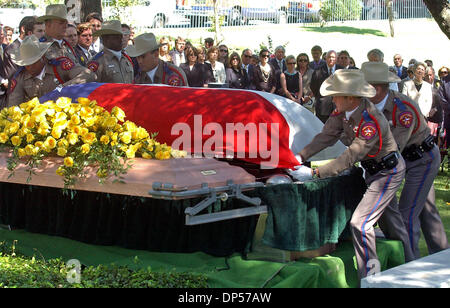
column 149, row 13
column 304, row 11
column 236, row 12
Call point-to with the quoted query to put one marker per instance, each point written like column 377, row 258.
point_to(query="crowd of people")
column 406, row 107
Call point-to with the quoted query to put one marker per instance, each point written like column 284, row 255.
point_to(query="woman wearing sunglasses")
column 236, row 78
column 290, row 80
column 264, row 74
column 164, row 49
column 306, row 72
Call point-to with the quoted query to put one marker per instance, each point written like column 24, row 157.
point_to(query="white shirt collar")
column 41, row 75
column 152, row 73
column 348, row 114
column 380, row 105
column 60, row 42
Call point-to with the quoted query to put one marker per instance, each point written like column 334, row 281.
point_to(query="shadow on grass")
column 346, row 30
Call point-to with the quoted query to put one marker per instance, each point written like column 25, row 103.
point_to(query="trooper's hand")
column 302, row 173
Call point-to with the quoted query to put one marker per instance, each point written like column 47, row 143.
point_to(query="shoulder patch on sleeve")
column 93, row 66
column 65, row 63
column 368, row 130
column 405, row 119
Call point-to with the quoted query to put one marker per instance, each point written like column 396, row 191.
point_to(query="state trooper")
column 112, row 64
column 153, row 70
column 55, row 20
column 39, row 75
column 372, row 144
column 421, row 155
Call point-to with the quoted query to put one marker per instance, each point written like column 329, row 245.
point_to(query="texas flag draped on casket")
column 252, row 126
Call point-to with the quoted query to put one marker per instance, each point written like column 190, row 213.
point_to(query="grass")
column 345, row 30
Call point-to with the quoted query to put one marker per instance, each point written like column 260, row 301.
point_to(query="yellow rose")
column 63, row 143
column 63, row 102
column 86, row 111
column 85, row 148
column 43, row 131
column 90, row 138
column 125, row 137
column 60, row 171
column 50, row 143
column 30, row 150
column 166, row 155
column 90, row 121
column 62, row 152
column 30, row 138
column 130, row 152
column 72, row 138
column 110, row 122
column 159, row 155
column 146, row 155
column 23, row 132
column 21, row 152
column 39, row 144
column 13, row 128
column 84, row 131
column 76, row 130
column 16, row 141
column 118, row 113
column 104, row 139
column 56, row 133
column 68, row 161
column 75, row 119
column 129, row 126
column 3, row 138
column 84, row 101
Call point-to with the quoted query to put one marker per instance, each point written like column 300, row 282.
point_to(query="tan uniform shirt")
column 56, row 51
column 166, row 73
column 409, row 125
column 370, row 136
column 24, row 87
column 110, row 70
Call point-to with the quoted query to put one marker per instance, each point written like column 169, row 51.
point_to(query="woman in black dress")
column 291, row 82
column 236, row 77
column 197, row 74
column 264, row 74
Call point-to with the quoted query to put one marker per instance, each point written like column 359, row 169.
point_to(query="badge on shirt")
column 406, row 119
column 93, row 66
column 66, row 63
column 368, row 131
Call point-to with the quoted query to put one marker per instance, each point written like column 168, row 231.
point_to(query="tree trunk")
column 440, row 10
column 390, row 12
column 216, row 21
column 79, row 9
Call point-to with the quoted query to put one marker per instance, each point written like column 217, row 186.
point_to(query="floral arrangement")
column 82, row 133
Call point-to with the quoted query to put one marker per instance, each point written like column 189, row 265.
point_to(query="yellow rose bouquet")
column 82, row 133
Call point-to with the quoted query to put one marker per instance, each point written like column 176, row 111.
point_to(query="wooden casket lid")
column 181, row 174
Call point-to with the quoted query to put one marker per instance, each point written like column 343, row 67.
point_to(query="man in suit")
column 316, row 53
column 83, row 49
column 324, row 105
column 279, row 64
column 178, row 55
column 248, row 67
column 343, row 59
column 400, row 70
